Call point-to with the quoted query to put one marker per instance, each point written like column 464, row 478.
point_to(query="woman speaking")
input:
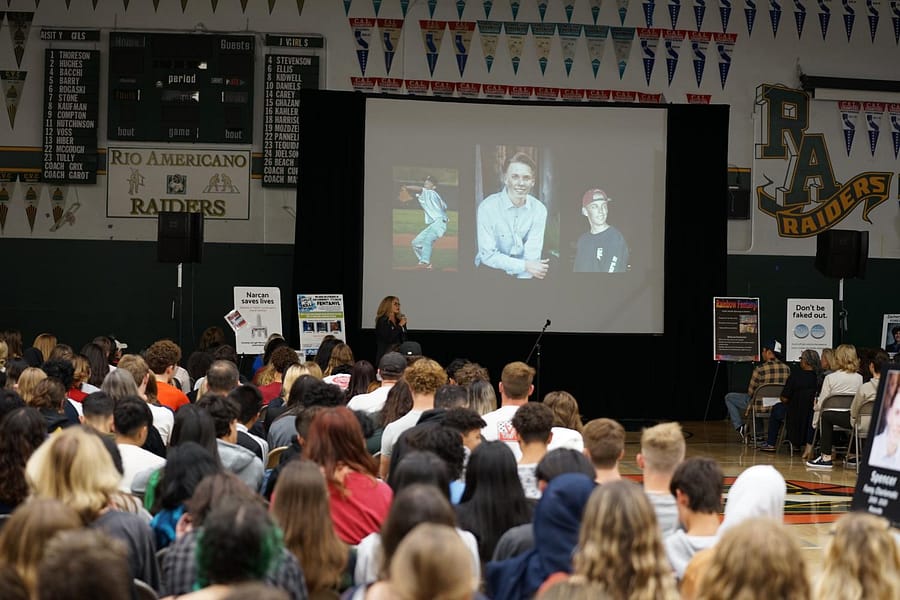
column 390, row 327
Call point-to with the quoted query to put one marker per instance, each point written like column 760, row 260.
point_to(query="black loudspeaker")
column 842, row 253
column 179, row 237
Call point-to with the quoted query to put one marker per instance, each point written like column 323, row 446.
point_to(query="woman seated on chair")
column 844, row 380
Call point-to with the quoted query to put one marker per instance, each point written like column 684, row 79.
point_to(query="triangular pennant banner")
column 487, row 5
column 699, row 44
column 214, row 4
column 568, row 39
column 595, row 9
column 462, row 39
column 390, row 30
column 622, row 9
column 724, row 14
column 849, row 16
column 799, row 17
column 32, row 196
column 622, row 38
column 125, row 2
column 376, row 5
column 542, row 8
column 432, row 35
column 872, row 7
column 514, row 7
column 184, row 4
column 674, row 11
column 699, row 13
column 94, row 2
column 515, row 41
column 750, row 14
column 460, row 8
column 724, row 48
column 58, row 204
column 271, row 5
column 873, row 112
column 649, row 6
column 19, row 28
column 7, row 179
column 347, row 4
column 824, row 16
column 649, row 40
column 489, row 33
column 543, row 33
column 894, row 115
column 244, row 6
column 596, row 35
column 849, row 113
column 362, row 38
column 299, row 7
column 569, row 8
column 775, row 11
column 895, row 19
column 156, row 5
column 13, row 82
column 432, row 4
column 673, row 39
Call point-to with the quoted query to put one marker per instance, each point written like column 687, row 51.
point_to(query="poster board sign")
column 890, row 340
column 809, row 326
column 260, row 308
column 877, row 489
column 319, row 315
column 735, row 329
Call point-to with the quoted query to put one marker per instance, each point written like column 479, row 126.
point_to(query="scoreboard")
column 169, row 87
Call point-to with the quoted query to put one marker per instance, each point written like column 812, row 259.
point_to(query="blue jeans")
column 422, row 243
column 737, row 403
column 776, row 418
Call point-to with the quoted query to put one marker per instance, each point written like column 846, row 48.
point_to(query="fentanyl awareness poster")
column 319, row 315
column 736, row 329
column 259, row 308
column 809, row 326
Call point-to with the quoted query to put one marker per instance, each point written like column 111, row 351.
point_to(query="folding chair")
column 761, row 404
column 861, row 429
column 833, row 402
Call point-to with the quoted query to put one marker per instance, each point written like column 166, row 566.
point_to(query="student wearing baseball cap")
column 602, row 249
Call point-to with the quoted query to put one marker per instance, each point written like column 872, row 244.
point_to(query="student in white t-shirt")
column 515, row 388
column 532, row 423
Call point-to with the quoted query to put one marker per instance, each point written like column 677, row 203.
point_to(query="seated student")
column 697, row 486
column 282, row 358
column 390, row 368
column 662, row 449
column 71, row 564
column 567, row 426
column 532, row 423
column 250, row 401
column 604, row 445
column 294, row 449
column 98, row 412
column 21, row 432
column 238, row 460
column 49, row 397
column 133, row 420
column 444, row 442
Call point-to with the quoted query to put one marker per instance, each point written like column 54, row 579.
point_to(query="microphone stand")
column 536, row 351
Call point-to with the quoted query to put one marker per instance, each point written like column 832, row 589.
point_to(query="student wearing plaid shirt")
column 771, row 371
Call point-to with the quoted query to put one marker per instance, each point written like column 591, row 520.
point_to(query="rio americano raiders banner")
column 809, row 176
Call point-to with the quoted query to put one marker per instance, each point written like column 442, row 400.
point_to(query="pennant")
column 622, row 9
column 432, row 4
column 623, row 96
column 432, row 36
column 824, row 16
column 460, row 8
column 724, row 48
column 495, row 90
column 750, row 14
column 873, row 112
column 214, row 3
column 622, row 38
column 520, row 92
column 895, row 19
column 94, row 2
column 596, row 35
column 595, row 9
column 404, row 6
column 699, row 13
column 443, row 88
column 872, row 10
column 571, row 94
column 347, row 4
column 125, row 2
column 894, row 115
column 489, row 33
column 299, row 7
column 362, row 37
column 58, row 204
column 7, row 179
column 698, row 98
column 376, row 4
column 389, row 30
column 488, row 5
column 515, row 41
column 184, row 4
column 390, row 85
column 13, row 82
column 849, row 16
column 363, row 84
column 674, row 10
column 569, row 8
column 542, row 8
column 32, row 196
column 568, row 38
column 599, row 95
column 462, row 39
column 418, row 87
column 849, row 114
column 543, row 33
column 514, row 7
column 649, row 6
column 19, row 27
column 468, row 90
column 775, row 16
column 672, row 39
column 799, row 16
column 644, row 98
column 724, row 13
column 699, row 45
column 243, row 5
column 649, row 39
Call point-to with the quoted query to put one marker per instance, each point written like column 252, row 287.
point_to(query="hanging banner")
column 622, row 39
column 432, row 36
column 673, row 38
column 724, row 48
column 809, row 326
column 595, row 9
column 622, row 9
column 674, row 11
column 724, row 14
column 824, row 16
column 799, row 16
column 649, row 7
column 515, row 41
column 736, row 329
column 19, row 27
column 319, row 315
column 260, row 309
column 390, row 30
column 872, row 7
column 596, row 35
column 543, row 34
column 849, row 112
column 649, row 41
column 489, row 33
column 873, row 112
column 775, row 16
column 750, row 15
column 568, row 39
column 699, row 13
column 849, row 16
column 894, row 114
column 699, row 44
column 12, row 83
column 462, row 39
column 362, row 38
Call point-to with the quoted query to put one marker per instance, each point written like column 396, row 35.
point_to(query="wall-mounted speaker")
column 179, row 237
column 842, row 253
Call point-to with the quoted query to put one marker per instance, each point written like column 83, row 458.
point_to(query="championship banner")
column 568, row 39
column 432, row 36
column 698, row 98
column 849, row 16
column 347, row 4
column 487, row 4
column 736, row 329
column 673, row 39
column 462, row 39
column 724, row 48
column 849, row 112
column 775, row 16
column 142, row 182
column 319, row 315
column 895, row 19
column 624, row 96
column 460, row 8
column 699, row 13
column 595, row 9
column 363, row 84
column 809, row 326
column 521, row 92
column 390, row 30
column 542, row 8
column 622, row 39
column 12, row 83
column 569, row 8
column 872, row 7
column 543, row 34
column 799, row 17
column 495, row 90
column 649, row 41
column 622, row 9
column 649, row 6
column 376, row 4
column 390, row 85
column 514, row 7
column 33, row 189
column 873, row 112
column 699, row 45
column 750, row 15
column 7, row 183
column 362, row 38
column 440, row 88
column 894, row 115
column 515, row 41
column 19, row 27
column 596, row 35
column 417, row 86
column 432, row 4
column 58, row 203
column 489, row 33
column 724, row 14
column 260, row 308
column 824, row 16
column 674, row 11
column 468, row 90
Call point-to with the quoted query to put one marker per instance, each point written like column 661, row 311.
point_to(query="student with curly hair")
column 21, row 432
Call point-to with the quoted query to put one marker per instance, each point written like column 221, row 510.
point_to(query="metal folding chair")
column 760, row 409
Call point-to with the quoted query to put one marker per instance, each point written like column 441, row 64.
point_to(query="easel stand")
column 712, row 388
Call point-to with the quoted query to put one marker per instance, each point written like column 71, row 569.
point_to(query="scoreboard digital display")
column 166, row 87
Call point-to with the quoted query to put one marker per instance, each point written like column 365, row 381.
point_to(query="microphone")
column 547, row 324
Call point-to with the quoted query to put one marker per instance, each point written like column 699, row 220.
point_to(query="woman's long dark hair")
column 494, row 500
column 21, row 432
column 186, row 466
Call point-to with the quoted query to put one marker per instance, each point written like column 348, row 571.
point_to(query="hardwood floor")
column 815, row 498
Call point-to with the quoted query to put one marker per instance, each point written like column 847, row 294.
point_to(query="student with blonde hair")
column 758, row 558
column 862, row 560
column 662, row 450
column 845, row 379
column 28, row 381
column 45, row 342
